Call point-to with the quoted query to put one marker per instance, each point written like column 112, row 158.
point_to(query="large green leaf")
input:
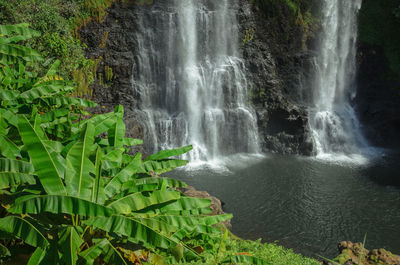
column 57, row 205
column 161, row 166
column 110, row 253
column 163, row 154
column 115, row 155
column 52, row 70
column 158, row 225
column 102, row 122
column 37, row 257
column 4, row 252
column 8, row 94
column 173, row 183
column 9, row 116
column 68, row 101
column 69, row 243
column 97, row 188
column 131, row 228
column 78, row 179
column 194, row 229
column 182, row 204
column 23, row 230
column 45, row 167
column 18, row 29
column 43, row 91
column 88, row 256
column 13, row 53
column 8, row 148
column 191, row 221
column 138, row 201
column 54, row 114
column 15, row 172
column 126, row 174
column 132, row 141
column 116, row 134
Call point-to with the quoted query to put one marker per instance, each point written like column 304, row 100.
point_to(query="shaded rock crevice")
column 378, row 97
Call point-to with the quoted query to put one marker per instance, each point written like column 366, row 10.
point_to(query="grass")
column 224, row 246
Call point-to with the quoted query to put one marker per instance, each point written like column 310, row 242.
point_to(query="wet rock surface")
column 278, row 63
column 216, row 204
column 350, row 254
column 378, row 97
column 275, row 68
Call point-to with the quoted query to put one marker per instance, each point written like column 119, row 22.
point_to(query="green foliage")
column 301, row 10
column 228, row 249
column 294, row 19
column 74, row 194
column 56, row 21
column 379, row 25
column 72, row 191
column 248, row 36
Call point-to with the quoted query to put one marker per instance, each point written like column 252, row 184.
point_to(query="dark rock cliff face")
column 277, row 62
column 378, row 98
column 275, row 56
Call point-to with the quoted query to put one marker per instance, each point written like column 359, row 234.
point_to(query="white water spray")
column 333, row 121
column 191, row 80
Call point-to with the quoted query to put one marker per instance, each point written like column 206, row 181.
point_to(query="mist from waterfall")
column 191, row 80
column 334, row 125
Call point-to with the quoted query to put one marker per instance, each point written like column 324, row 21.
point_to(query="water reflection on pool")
column 307, row 204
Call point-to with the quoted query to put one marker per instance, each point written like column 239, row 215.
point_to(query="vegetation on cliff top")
column 58, row 22
column 379, row 25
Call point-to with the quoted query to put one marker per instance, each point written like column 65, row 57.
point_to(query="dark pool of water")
column 307, row 204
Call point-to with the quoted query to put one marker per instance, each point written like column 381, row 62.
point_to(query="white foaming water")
column 191, row 80
column 335, row 127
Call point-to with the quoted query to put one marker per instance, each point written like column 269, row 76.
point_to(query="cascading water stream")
column 333, row 122
column 191, row 80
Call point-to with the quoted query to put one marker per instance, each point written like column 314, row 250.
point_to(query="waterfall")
column 191, row 79
column 333, row 121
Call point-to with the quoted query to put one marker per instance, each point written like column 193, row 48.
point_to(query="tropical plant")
column 71, row 189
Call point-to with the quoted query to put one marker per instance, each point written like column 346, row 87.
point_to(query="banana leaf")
column 8, row 148
column 54, row 114
column 78, row 179
column 131, row 228
column 110, row 253
column 4, row 252
column 70, row 101
column 45, row 167
column 196, row 229
column 184, row 204
column 37, row 257
column 13, row 173
column 138, row 201
column 164, row 154
column 191, row 221
column 69, row 243
column 128, row 173
column 23, row 230
column 116, row 134
column 8, row 94
column 43, row 91
column 161, row 166
column 19, row 29
column 173, row 183
column 59, row 205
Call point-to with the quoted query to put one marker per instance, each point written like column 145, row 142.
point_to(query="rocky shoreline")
column 350, row 254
